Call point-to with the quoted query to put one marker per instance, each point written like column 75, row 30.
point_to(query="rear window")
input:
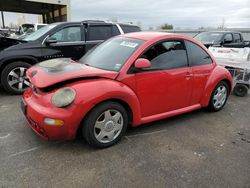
column 237, row 37
column 130, row 28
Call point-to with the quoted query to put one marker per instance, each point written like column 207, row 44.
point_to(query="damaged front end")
column 51, row 104
column 63, row 70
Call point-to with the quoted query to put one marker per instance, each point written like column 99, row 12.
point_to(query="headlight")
column 63, row 97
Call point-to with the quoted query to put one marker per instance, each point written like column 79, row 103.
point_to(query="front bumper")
column 37, row 108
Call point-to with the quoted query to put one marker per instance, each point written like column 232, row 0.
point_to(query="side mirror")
column 142, row 63
column 50, row 40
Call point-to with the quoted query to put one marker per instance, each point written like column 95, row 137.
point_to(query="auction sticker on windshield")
column 129, row 44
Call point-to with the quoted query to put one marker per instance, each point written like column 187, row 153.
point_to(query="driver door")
column 166, row 86
column 70, row 42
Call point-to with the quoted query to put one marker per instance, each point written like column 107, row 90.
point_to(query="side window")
column 237, row 37
column 115, row 30
column 99, row 32
column 228, row 38
column 167, row 55
column 196, row 55
column 68, row 34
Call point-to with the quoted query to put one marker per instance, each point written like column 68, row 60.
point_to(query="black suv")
column 67, row 39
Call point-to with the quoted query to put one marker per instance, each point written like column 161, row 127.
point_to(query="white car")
column 26, row 29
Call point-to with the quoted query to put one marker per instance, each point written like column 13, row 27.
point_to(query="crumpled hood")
column 50, row 72
column 6, row 42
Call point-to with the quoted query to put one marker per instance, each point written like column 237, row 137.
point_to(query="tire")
column 240, row 90
column 105, row 124
column 13, row 77
column 221, row 98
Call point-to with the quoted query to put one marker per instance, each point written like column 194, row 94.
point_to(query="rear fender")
column 218, row 74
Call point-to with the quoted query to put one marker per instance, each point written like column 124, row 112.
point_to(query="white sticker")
column 129, row 44
column 117, row 66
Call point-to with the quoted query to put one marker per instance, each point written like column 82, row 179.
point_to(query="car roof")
column 94, row 22
column 146, row 36
column 126, row 24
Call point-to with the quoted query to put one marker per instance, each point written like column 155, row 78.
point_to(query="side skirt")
column 170, row 114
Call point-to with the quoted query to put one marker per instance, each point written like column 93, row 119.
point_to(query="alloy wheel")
column 17, row 79
column 108, row 126
column 220, row 96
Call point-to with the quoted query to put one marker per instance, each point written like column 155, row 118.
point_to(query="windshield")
column 209, row 37
column 40, row 32
column 112, row 54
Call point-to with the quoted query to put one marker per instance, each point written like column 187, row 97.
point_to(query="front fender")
column 12, row 58
column 218, row 74
column 92, row 92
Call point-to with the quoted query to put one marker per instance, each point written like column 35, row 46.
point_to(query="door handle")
column 188, row 75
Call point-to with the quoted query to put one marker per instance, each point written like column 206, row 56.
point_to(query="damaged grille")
column 34, row 89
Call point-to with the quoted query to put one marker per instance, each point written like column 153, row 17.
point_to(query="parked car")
column 130, row 79
column 222, row 38
column 26, row 29
column 5, row 32
column 68, row 39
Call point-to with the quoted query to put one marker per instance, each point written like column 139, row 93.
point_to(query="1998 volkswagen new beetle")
column 130, row 79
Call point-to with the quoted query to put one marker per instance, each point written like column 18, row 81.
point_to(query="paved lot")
column 198, row 149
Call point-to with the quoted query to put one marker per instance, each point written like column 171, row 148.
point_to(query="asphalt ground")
column 198, row 149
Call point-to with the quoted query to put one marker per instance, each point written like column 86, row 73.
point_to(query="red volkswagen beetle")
column 130, row 79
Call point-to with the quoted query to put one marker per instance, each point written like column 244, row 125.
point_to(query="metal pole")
column 2, row 19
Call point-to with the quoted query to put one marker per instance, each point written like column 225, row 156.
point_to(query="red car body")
column 147, row 96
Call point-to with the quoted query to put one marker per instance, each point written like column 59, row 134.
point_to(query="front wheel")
column 105, row 124
column 14, row 79
column 219, row 97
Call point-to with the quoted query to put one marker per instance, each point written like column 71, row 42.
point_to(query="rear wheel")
column 105, row 124
column 240, row 90
column 14, row 79
column 219, row 97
